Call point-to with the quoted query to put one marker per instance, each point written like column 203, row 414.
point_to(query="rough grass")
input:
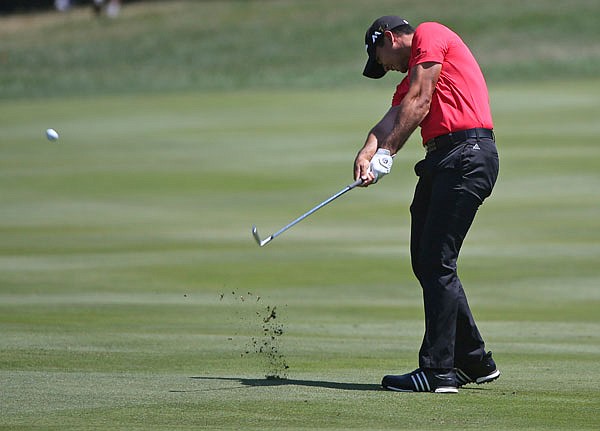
column 231, row 45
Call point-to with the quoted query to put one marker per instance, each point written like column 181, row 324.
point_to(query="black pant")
column 453, row 183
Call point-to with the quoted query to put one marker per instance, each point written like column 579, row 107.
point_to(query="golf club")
column 265, row 241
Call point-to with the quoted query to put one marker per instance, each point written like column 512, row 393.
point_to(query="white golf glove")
column 381, row 164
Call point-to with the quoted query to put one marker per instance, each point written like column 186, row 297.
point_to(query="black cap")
column 381, row 25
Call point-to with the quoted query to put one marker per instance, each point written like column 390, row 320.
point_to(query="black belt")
column 454, row 138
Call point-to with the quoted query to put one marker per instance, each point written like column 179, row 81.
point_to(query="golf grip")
column 318, row 207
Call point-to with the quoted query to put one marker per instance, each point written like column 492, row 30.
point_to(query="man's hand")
column 381, row 164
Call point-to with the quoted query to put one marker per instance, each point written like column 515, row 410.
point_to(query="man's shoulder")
column 431, row 26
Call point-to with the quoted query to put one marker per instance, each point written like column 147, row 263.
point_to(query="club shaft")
column 318, row 207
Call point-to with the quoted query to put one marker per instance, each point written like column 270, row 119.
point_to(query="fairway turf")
column 130, row 282
column 133, row 296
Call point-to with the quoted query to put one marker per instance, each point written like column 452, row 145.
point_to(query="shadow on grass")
column 276, row 381
column 291, row 382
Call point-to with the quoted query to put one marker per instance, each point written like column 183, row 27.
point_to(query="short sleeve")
column 429, row 44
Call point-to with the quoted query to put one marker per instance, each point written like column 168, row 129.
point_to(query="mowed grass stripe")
column 119, row 240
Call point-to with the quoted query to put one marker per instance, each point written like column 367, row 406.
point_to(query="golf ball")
column 51, row 134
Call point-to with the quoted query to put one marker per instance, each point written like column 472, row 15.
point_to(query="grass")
column 233, row 45
column 119, row 240
column 132, row 295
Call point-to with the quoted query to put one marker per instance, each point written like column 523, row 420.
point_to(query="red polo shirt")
column 460, row 100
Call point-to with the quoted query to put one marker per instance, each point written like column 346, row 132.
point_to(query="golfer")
column 445, row 94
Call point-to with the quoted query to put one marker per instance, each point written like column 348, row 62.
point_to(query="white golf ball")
column 51, row 134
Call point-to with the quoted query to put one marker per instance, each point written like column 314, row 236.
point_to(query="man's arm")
column 396, row 126
column 377, row 134
column 414, row 106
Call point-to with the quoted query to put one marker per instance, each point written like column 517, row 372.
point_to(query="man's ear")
column 389, row 36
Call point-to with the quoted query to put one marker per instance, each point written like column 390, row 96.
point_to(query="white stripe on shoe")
column 426, row 382
column 420, row 382
column 415, row 384
column 462, row 378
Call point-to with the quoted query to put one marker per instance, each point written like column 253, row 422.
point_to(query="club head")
column 257, row 237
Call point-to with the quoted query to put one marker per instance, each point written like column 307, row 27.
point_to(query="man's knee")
column 431, row 269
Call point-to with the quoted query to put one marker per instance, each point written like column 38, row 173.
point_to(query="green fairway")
column 133, row 296
column 130, row 283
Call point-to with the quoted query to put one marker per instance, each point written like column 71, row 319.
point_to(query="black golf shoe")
column 481, row 372
column 423, row 380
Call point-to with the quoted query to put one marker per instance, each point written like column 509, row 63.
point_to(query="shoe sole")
column 480, row 380
column 440, row 390
column 446, row 390
column 488, row 378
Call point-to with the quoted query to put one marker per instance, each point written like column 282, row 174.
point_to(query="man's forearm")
column 414, row 106
column 364, row 156
column 370, row 146
column 409, row 115
column 385, row 126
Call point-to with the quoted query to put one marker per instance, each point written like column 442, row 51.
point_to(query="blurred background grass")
column 233, row 45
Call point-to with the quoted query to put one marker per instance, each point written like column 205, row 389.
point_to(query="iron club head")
column 257, row 237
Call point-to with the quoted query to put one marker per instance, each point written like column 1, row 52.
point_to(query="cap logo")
column 375, row 36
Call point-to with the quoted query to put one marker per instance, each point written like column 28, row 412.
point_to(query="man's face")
column 394, row 54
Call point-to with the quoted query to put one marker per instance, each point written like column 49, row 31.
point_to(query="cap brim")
column 373, row 69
